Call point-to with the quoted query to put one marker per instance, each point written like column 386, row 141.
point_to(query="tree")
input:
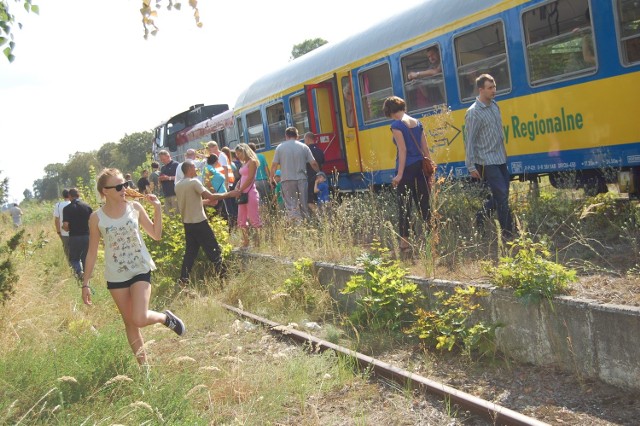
column 4, row 189
column 49, row 187
column 133, row 150
column 108, row 155
column 8, row 20
column 79, row 167
column 27, row 194
column 306, row 47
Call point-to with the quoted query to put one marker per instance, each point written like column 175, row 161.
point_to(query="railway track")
column 492, row 412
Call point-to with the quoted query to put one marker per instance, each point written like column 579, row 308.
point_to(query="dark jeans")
column 498, row 179
column 78, row 246
column 412, row 187
column 200, row 235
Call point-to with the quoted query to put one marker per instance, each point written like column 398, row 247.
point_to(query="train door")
column 323, row 122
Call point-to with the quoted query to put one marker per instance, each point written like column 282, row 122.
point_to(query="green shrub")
column 298, row 287
column 386, row 298
column 529, row 272
column 169, row 251
column 8, row 276
column 446, row 325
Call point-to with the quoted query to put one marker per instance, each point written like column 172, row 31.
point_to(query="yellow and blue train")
column 567, row 71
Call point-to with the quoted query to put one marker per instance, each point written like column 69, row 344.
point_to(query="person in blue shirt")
column 410, row 182
column 321, row 189
column 216, row 185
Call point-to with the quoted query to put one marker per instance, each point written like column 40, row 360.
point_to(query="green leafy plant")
column 448, row 324
column 88, row 191
column 528, row 270
column 168, row 252
column 8, row 276
column 386, row 298
column 298, row 287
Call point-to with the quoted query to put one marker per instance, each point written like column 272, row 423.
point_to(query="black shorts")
column 126, row 284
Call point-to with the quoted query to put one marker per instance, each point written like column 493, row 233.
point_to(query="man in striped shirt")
column 486, row 156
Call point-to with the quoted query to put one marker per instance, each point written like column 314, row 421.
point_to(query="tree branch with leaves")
column 8, row 23
column 148, row 11
column 149, row 14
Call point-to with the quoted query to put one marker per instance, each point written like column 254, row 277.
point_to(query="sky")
column 84, row 75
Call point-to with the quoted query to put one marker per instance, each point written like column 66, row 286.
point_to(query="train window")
column 375, row 86
column 424, row 83
column 240, row 130
column 255, row 129
column 299, row 113
column 629, row 30
column 559, row 41
column 482, row 51
column 347, row 94
column 276, row 123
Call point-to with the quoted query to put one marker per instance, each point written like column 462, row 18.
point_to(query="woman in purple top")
column 409, row 181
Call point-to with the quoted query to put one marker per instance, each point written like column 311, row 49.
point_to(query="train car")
column 170, row 134
column 567, row 71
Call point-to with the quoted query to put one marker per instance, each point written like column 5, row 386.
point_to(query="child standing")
column 321, row 188
column 279, row 201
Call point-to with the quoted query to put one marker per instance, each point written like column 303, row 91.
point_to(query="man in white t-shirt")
column 16, row 214
column 190, row 155
column 57, row 220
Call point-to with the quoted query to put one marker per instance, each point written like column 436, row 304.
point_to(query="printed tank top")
column 125, row 253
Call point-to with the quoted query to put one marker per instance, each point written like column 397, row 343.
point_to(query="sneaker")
column 174, row 323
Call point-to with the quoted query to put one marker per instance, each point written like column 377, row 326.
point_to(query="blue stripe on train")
column 615, row 156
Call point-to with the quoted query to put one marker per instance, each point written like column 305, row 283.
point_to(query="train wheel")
column 593, row 184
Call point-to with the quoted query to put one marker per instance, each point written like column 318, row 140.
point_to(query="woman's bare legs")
column 133, row 304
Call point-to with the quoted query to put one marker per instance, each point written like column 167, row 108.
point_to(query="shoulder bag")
column 428, row 166
column 244, row 196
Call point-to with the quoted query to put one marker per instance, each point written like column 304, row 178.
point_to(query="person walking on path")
column 292, row 157
column 485, row 152
column 128, row 264
column 197, row 231
column 167, row 179
column 16, row 215
column 75, row 220
column 410, row 181
column 57, row 220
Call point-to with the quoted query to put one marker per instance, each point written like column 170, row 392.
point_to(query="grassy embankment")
column 65, row 363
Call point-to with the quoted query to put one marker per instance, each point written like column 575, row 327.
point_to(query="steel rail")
column 495, row 413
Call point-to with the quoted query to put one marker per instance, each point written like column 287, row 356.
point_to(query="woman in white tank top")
column 128, row 264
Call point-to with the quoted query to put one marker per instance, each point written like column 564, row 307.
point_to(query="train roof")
column 386, row 34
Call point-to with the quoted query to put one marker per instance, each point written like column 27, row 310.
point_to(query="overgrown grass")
column 598, row 234
column 62, row 362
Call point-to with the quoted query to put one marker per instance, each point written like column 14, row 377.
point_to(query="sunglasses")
column 118, row 187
